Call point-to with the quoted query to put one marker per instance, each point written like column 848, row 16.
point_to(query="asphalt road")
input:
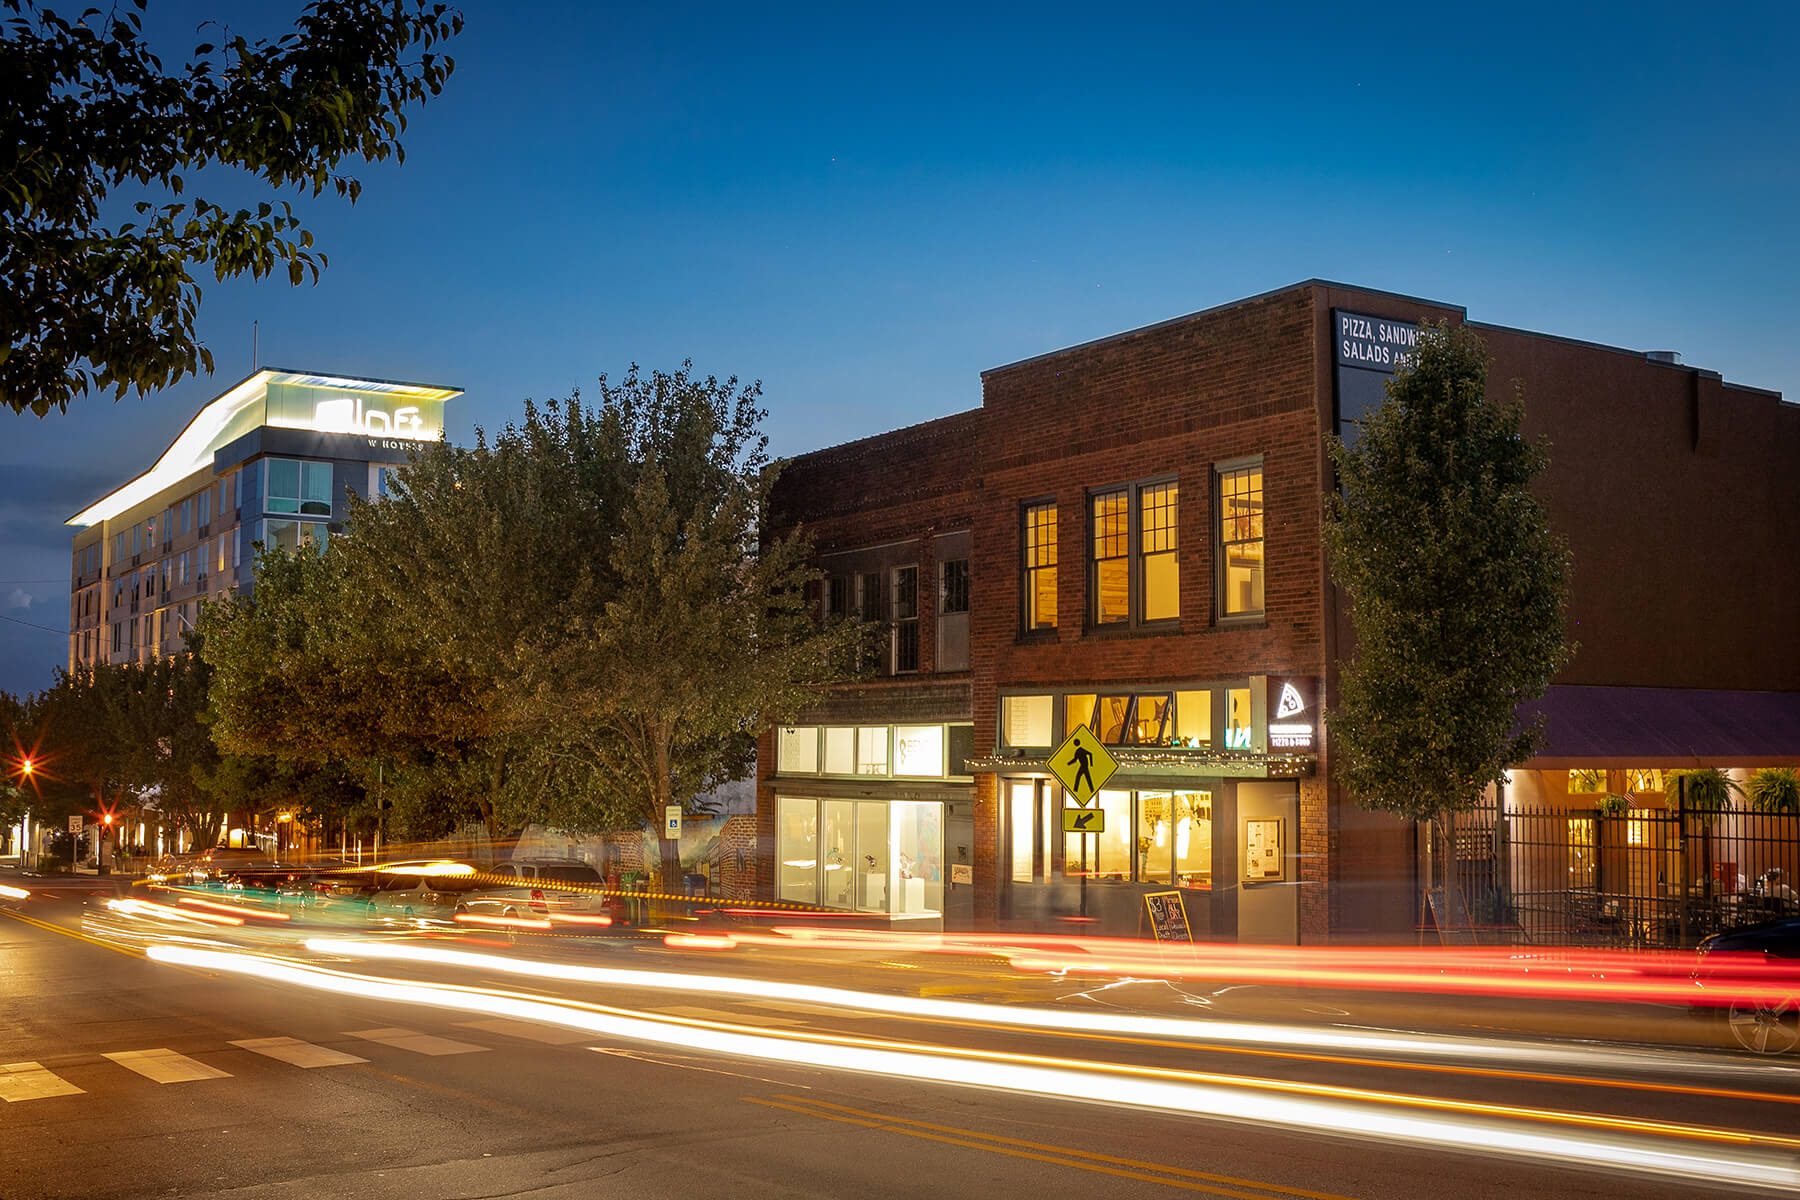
column 126, row 1077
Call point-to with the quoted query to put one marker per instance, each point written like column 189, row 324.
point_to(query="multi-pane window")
column 1109, row 576
column 1156, row 548
column 1169, row 842
column 1133, row 574
column 1040, row 566
column 206, row 507
column 837, row 596
column 1240, row 533
column 167, row 525
column 298, row 487
column 906, row 619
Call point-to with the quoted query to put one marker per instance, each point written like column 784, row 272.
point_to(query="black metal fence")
column 1644, row 878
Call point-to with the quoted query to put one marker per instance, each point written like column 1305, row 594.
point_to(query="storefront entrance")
column 871, row 856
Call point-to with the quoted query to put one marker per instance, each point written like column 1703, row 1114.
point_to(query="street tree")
column 1456, row 587
column 90, row 118
column 707, row 639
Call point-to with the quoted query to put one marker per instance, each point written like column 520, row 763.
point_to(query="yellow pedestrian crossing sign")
column 1084, row 820
column 1082, row 765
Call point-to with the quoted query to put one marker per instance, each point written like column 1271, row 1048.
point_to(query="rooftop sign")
column 289, row 400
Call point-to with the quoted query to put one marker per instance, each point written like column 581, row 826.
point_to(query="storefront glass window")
column 1581, row 852
column 840, row 750
column 1193, row 718
column 1193, row 838
column 797, row 750
column 1109, row 719
column 837, row 862
column 872, row 750
column 1587, row 781
column 1021, row 820
column 1149, row 720
column 1025, row 720
column 873, row 862
column 797, row 829
column 1155, row 848
column 1078, row 710
column 919, row 751
column 1237, row 718
column 918, row 858
column 1103, row 855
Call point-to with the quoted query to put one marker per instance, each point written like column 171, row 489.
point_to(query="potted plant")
column 1775, row 790
column 1705, row 792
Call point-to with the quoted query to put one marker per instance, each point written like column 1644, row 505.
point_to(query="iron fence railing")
column 1648, row 878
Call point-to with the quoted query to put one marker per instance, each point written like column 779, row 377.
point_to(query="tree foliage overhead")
column 570, row 622
column 1455, row 581
column 87, row 109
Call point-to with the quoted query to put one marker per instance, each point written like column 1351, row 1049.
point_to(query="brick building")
column 1126, row 534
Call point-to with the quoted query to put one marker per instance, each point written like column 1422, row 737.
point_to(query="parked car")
column 537, row 888
column 1761, row 1028
column 422, row 889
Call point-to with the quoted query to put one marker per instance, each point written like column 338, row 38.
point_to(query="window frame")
column 1028, row 569
column 903, row 626
column 1135, row 585
column 1221, row 567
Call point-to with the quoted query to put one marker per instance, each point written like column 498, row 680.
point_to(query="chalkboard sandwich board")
column 1168, row 917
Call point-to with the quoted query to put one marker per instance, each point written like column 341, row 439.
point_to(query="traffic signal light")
column 108, row 818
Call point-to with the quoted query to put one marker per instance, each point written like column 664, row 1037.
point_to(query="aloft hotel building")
column 267, row 462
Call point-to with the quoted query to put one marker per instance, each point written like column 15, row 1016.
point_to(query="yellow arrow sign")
column 1082, row 765
column 1084, row 820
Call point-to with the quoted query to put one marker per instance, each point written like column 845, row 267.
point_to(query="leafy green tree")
column 87, row 108
column 570, row 622
column 705, row 642
column 1456, row 586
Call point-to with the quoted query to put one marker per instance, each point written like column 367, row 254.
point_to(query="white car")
column 418, row 889
column 554, row 890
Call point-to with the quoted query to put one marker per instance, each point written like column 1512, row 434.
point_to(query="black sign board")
column 1367, row 350
column 1168, row 917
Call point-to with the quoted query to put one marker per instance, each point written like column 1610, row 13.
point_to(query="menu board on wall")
column 1263, row 862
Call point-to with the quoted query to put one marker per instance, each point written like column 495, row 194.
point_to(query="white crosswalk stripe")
column 29, row 1081
column 413, row 1040
column 297, row 1052
column 165, row 1066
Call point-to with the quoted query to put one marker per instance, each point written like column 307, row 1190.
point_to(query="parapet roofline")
column 1226, row 307
column 192, row 447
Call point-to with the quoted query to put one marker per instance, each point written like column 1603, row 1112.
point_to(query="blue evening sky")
column 865, row 207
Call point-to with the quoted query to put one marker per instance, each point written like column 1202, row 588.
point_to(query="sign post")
column 672, row 821
column 75, row 823
column 1083, row 765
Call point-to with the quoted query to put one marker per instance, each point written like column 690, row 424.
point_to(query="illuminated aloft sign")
column 350, row 414
column 413, row 415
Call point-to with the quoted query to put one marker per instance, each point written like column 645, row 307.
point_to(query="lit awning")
column 1666, row 727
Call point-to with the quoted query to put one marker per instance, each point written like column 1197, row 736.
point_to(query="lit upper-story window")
column 1133, row 574
column 1239, row 534
column 1038, row 570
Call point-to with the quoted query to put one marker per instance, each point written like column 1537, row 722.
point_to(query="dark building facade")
column 1127, row 535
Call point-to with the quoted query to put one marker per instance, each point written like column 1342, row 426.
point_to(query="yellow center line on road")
column 1080, row 1160
column 74, row 933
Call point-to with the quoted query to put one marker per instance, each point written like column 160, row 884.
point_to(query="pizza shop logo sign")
column 1285, row 733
